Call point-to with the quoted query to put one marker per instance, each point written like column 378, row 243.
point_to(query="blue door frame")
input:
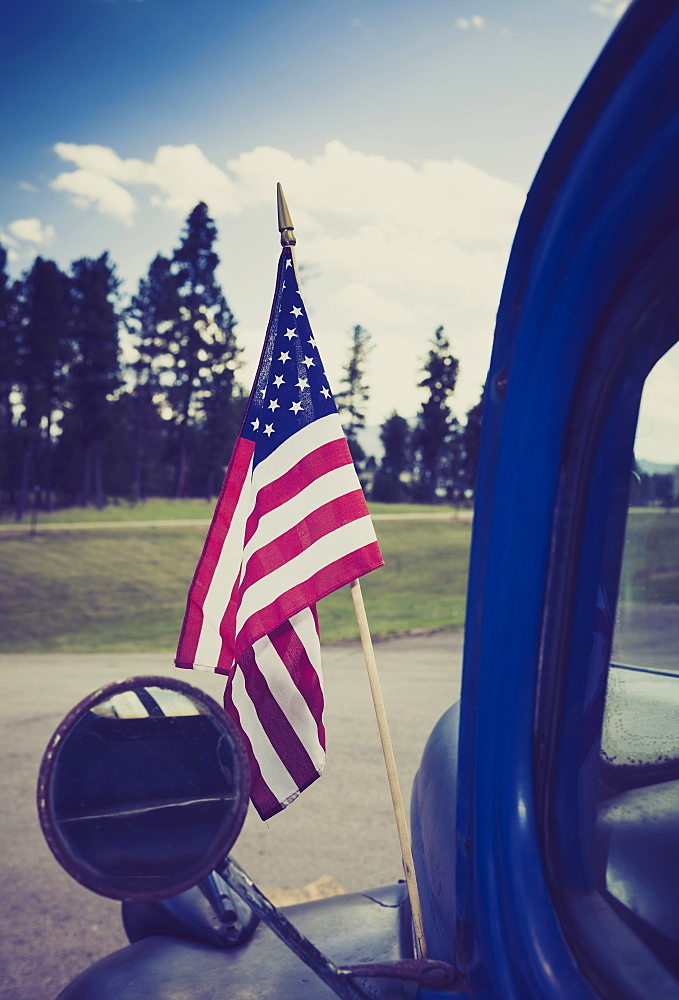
column 604, row 203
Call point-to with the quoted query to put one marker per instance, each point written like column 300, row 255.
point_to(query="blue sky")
column 406, row 136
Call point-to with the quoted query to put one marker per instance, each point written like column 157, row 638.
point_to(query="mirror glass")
column 143, row 788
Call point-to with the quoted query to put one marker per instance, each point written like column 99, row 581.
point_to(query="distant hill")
column 654, row 468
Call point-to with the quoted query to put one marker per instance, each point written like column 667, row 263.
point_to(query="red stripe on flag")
column 274, row 721
column 304, row 675
column 311, row 467
column 302, row 595
column 227, row 634
column 205, row 570
column 314, row 526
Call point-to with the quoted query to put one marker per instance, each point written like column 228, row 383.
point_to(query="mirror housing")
column 143, row 788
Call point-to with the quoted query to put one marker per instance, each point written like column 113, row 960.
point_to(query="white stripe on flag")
column 225, row 575
column 298, row 446
column 304, row 625
column 345, row 539
column 273, row 771
column 329, row 487
column 285, row 692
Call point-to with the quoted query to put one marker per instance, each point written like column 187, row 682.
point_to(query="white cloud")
column 358, row 299
column 656, row 438
column 609, row 8
column 7, row 240
column 397, row 248
column 87, row 188
column 9, row 243
column 180, row 176
column 185, row 176
column 102, row 160
column 476, row 21
column 32, row 231
column 25, row 186
column 400, row 250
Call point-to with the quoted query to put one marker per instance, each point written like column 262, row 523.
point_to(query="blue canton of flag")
column 291, row 388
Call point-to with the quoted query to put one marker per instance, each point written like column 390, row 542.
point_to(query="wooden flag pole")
column 288, row 239
column 390, row 763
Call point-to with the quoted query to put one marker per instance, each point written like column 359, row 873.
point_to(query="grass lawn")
column 650, row 570
column 124, row 590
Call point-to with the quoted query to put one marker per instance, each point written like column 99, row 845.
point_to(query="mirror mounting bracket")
column 342, row 980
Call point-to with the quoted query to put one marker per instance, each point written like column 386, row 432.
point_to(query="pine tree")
column 94, row 378
column 200, row 340
column 8, row 380
column 43, row 352
column 7, row 343
column 389, row 484
column 351, row 400
column 471, row 441
column 149, row 320
column 436, row 427
column 218, row 432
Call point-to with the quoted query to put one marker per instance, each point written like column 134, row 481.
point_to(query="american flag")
column 291, row 525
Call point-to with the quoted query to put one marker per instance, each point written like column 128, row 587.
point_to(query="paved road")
column 341, row 827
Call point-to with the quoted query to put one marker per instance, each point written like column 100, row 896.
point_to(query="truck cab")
column 552, row 872
column 545, row 812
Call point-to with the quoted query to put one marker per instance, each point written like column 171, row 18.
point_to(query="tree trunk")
column 47, row 472
column 87, row 476
column 138, row 491
column 180, row 484
column 98, row 478
column 22, row 498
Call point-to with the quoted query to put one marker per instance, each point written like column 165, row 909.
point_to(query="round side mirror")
column 143, row 788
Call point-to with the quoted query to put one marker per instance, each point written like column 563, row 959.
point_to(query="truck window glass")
column 637, row 827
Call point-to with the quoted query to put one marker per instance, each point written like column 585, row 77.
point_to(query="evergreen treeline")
column 435, row 459
column 100, row 399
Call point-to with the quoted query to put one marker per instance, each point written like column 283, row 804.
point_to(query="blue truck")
column 545, row 812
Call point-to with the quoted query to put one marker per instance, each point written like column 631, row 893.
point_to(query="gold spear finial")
column 284, row 221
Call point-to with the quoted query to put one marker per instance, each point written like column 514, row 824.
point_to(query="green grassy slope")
column 124, row 589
